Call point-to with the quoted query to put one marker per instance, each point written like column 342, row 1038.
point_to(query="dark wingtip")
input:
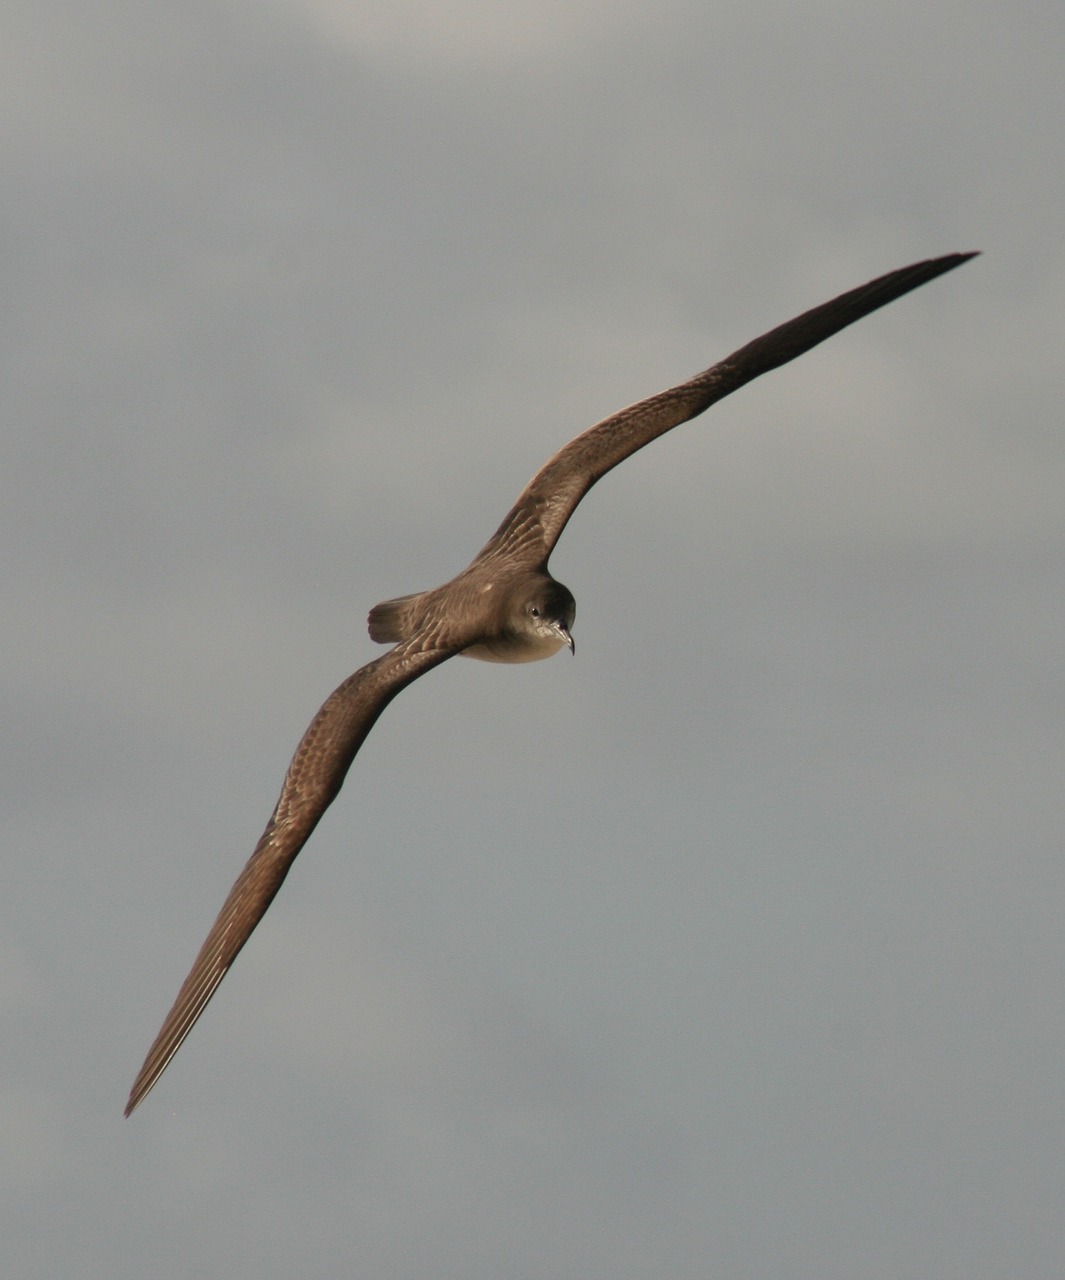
column 937, row 266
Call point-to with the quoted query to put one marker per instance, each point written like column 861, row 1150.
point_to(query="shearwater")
column 505, row 607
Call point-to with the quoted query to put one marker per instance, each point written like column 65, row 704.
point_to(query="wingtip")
column 947, row 262
column 957, row 259
column 143, row 1085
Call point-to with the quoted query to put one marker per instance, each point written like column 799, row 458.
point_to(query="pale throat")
column 516, row 648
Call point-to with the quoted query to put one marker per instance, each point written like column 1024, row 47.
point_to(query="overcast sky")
column 732, row 946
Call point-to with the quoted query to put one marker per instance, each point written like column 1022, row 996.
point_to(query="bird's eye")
column 535, row 611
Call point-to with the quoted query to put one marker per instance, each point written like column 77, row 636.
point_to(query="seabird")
column 505, row 607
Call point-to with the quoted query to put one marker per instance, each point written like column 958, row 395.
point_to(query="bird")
column 505, row 607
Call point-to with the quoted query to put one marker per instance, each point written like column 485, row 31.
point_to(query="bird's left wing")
column 314, row 777
column 533, row 525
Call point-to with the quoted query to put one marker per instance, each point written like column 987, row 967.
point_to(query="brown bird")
column 505, row 607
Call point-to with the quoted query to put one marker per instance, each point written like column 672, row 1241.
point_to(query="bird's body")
column 490, row 611
column 505, row 607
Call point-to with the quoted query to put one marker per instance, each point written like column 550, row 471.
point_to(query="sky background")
column 731, row 947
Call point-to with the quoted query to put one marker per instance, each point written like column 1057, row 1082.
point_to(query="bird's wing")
column 314, row 777
column 532, row 527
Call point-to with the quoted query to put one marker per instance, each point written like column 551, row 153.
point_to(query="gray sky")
column 731, row 947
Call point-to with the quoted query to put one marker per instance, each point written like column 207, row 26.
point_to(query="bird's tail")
column 391, row 620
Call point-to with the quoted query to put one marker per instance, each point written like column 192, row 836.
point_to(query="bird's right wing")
column 533, row 525
column 314, row 777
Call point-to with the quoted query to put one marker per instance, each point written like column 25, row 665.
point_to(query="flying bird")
column 505, row 607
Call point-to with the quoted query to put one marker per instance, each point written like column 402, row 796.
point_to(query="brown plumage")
column 505, row 607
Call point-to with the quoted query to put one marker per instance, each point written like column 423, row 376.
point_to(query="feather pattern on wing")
column 314, row 777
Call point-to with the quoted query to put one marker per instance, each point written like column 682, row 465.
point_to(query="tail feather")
column 389, row 621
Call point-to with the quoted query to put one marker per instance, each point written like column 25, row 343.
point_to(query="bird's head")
column 547, row 611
